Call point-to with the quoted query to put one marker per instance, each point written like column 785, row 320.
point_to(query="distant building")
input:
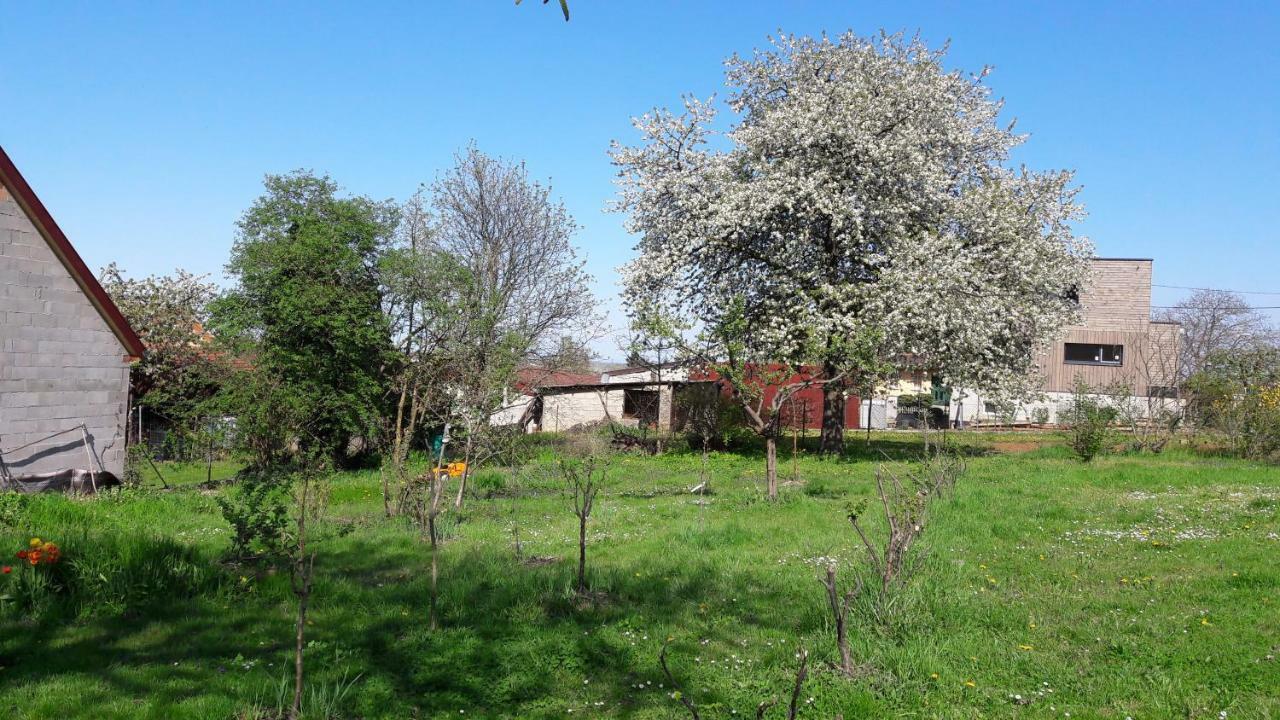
column 636, row 396
column 1117, row 345
column 65, row 349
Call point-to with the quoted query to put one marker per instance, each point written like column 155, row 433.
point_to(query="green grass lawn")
column 1136, row 586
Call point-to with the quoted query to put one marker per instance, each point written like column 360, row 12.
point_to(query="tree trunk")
column 431, row 529
column 297, row 656
column 871, row 406
column 839, row 612
column 795, row 458
column 395, row 449
column 208, row 475
column 582, row 554
column 462, row 484
column 832, row 442
column 386, row 490
column 301, row 582
column 771, row 465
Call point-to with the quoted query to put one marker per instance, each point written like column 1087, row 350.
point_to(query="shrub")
column 1087, row 421
column 12, row 508
column 1238, row 394
column 257, row 510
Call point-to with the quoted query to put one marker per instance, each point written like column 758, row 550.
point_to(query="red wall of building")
column 806, row 402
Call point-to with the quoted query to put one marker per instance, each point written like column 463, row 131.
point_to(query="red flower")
column 22, row 554
column 6, row 569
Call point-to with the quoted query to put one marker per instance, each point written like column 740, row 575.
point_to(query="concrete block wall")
column 60, row 363
column 564, row 411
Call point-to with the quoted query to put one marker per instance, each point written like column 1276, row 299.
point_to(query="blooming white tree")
column 863, row 191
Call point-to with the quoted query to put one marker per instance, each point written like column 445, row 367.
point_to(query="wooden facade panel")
column 1117, row 311
column 1120, row 296
column 1149, row 358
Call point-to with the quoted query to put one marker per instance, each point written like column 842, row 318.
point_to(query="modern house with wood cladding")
column 65, row 349
column 1118, row 345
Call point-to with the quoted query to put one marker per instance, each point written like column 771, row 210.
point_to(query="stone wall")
column 60, row 364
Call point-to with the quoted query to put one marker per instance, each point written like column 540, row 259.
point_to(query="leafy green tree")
column 1238, row 394
column 306, row 318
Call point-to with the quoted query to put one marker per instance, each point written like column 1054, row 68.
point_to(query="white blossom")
column 861, row 188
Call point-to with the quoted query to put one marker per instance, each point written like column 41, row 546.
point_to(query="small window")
column 1166, row 392
column 1090, row 354
column 640, row 404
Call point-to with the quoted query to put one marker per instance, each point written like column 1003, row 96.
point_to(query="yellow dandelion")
column 970, row 683
column 933, row 676
column 1204, row 621
column 1025, row 647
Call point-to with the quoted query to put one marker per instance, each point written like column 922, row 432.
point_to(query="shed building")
column 65, row 349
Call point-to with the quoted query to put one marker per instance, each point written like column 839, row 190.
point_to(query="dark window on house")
column 640, row 404
column 1091, row 354
column 1072, row 295
column 1168, row 392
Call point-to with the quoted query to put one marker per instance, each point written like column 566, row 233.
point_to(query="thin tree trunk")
column 302, row 588
column 208, row 474
column 838, row 611
column 582, row 554
column 297, row 656
column 871, row 406
column 771, row 465
column 795, row 458
column 462, row 484
column 832, row 442
column 515, row 511
column 702, row 487
column 395, row 449
column 386, row 490
column 435, row 573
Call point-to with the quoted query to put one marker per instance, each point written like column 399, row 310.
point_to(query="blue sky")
column 147, row 128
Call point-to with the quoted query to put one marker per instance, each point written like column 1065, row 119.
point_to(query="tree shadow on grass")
column 511, row 634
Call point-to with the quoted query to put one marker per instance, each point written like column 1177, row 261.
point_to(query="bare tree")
column 1147, row 398
column 905, row 506
column 311, row 499
column 840, row 613
column 1212, row 321
column 423, row 498
column 523, row 288
column 583, row 478
column 796, row 415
